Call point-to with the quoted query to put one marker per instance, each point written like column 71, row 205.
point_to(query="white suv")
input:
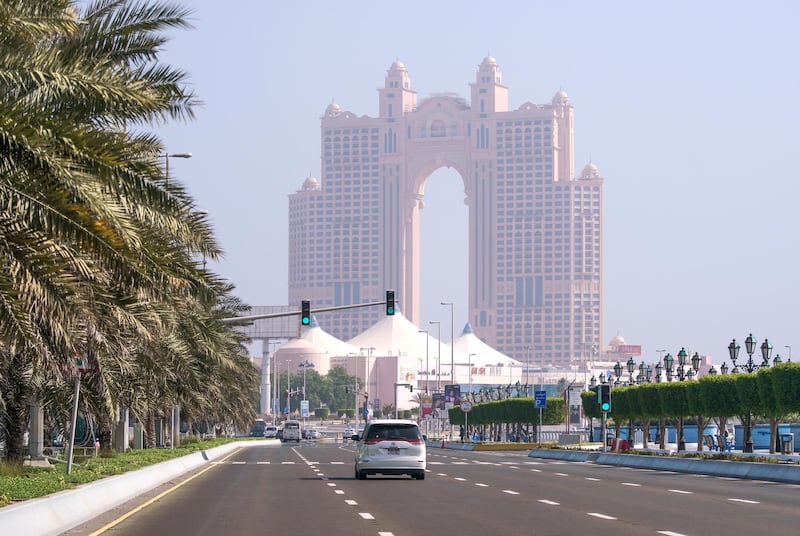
column 390, row 447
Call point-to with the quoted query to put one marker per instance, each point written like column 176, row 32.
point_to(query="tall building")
column 535, row 229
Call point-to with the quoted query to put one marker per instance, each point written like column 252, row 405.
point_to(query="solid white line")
column 631, row 484
column 551, row 503
column 681, row 491
column 510, row 492
column 746, row 501
column 602, row 516
column 351, row 502
column 366, row 515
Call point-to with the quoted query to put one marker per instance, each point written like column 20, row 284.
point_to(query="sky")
column 689, row 109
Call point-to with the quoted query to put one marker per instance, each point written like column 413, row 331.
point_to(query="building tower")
column 535, row 230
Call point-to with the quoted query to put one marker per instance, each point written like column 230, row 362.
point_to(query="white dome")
column 311, row 183
column 590, row 171
column 560, row 98
column 332, row 110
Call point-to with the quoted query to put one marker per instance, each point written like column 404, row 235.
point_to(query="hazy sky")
column 689, row 109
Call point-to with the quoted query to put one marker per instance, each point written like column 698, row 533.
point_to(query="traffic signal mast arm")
column 293, row 313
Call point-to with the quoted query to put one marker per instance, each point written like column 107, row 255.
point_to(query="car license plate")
column 394, row 450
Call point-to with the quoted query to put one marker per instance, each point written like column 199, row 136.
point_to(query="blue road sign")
column 540, row 399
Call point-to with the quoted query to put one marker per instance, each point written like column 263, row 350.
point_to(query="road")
column 310, row 489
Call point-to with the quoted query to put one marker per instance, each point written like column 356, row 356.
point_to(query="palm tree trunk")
column 15, row 389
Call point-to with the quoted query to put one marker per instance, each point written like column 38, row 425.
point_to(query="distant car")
column 313, row 434
column 271, row 431
column 257, row 428
column 279, row 434
column 391, row 447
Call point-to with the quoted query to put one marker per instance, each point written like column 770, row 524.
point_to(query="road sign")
column 540, row 399
column 466, row 407
column 304, row 408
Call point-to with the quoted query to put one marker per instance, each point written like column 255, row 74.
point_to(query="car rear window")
column 393, row 431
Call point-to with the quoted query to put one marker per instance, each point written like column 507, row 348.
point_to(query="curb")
column 64, row 510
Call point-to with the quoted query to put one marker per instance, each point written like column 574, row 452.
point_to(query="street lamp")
column 750, row 347
column 438, row 353
column 631, row 364
column 305, row 366
column 166, row 157
column 427, row 365
column 452, row 341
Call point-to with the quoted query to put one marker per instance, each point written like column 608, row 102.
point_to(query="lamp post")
column 427, row 365
column 452, row 341
column 438, row 354
column 749, row 367
column 305, row 366
column 166, row 157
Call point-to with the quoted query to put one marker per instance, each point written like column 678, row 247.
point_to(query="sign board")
column 540, row 399
column 630, row 350
column 304, row 408
column 466, row 407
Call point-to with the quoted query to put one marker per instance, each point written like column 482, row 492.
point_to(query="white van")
column 291, row 431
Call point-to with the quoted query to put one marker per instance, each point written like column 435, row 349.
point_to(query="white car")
column 390, row 447
column 271, row 431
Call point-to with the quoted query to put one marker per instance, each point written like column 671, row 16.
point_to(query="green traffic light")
column 606, row 406
column 306, row 321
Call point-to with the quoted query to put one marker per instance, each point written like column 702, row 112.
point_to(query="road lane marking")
column 681, row 491
column 262, row 463
column 351, row 502
column 366, row 515
column 551, row 503
column 514, row 467
column 287, row 463
column 480, row 484
column 441, row 474
column 332, row 484
column 510, row 492
column 670, row 533
column 601, row 516
column 460, row 479
column 385, row 534
column 561, row 474
column 339, row 491
column 141, row 507
column 337, row 463
column 631, row 484
column 591, row 479
column 238, row 463
column 746, row 501
column 536, row 470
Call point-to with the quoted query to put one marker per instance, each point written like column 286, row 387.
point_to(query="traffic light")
column 305, row 312
column 604, row 394
column 389, row 302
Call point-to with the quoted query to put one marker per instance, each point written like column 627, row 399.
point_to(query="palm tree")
column 97, row 251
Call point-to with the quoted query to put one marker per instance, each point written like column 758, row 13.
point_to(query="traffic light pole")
column 603, row 431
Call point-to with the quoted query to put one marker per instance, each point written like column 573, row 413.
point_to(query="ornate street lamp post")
column 749, row 367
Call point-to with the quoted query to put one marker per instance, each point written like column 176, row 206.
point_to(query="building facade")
column 535, row 229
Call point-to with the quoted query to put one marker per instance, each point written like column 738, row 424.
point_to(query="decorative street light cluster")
column 750, row 367
column 501, row 392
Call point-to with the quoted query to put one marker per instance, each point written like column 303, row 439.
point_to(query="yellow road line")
column 125, row 516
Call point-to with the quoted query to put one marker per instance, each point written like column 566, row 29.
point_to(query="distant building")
column 535, row 229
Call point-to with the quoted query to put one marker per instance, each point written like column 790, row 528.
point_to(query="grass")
column 18, row 483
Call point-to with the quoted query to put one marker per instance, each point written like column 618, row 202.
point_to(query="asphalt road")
column 310, row 489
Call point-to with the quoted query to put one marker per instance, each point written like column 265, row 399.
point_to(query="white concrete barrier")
column 61, row 511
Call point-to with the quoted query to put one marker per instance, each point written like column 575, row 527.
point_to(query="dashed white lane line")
column 385, row 534
column 680, row 491
column 591, row 479
column 332, row 484
column 339, row 491
column 536, row 470
column 510, row 492
column 262, row 463
column 561, row 474
column 238, row 463
column 670, row 533
column 351, row 502
column 287, row 463
column 460, row 479
column 601, row 516
column 551, row 503
column 337, row 463
column 366, row 515
column 746, row 501
column 631, row 484
column 482, row 485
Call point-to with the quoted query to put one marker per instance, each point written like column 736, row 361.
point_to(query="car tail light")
column 372, row 441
